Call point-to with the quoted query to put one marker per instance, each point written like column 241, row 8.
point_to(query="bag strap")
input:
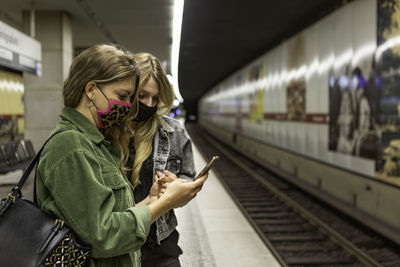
column 16, row 191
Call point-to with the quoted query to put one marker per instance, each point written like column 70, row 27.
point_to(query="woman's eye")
column 141, row 96
column 122, row 97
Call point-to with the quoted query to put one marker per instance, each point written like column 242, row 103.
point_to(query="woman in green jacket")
column 80, row 176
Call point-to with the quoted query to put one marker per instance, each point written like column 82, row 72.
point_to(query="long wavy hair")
column 149, row 67
column 103, row 64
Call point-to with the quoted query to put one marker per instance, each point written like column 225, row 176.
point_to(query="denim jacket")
column 172, row 152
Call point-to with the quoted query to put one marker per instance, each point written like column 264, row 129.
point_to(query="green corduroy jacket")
column 79, row 181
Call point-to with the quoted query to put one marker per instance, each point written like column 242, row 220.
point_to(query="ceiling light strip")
column 176, row 40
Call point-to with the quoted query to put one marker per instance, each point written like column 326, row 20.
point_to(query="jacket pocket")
column 174, row 164
column 113, row 179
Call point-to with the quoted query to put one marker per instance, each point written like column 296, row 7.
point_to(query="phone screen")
column 207, row 167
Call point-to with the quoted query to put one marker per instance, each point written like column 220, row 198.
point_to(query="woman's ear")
column 89, row 89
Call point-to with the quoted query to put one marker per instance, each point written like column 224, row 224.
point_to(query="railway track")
column 299, row 229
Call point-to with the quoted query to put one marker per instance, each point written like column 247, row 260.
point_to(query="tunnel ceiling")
column 219, row 37
column 138, row 25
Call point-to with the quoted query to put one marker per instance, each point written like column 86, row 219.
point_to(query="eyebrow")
column 126, row 91
column 142, row 91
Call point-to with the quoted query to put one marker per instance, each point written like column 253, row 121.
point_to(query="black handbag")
column 31, row 237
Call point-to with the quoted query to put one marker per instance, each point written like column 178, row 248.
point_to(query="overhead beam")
column 97, row 21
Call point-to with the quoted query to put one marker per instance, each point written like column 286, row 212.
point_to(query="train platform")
column 214, row 232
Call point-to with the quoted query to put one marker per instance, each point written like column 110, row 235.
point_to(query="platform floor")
column 214, row 232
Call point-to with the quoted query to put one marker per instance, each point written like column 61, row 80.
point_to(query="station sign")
column 18, row 51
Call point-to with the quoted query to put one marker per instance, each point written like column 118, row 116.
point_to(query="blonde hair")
column 103, row 64
column 149, row 67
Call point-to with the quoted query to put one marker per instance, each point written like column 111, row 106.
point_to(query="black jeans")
column 166, row 255
column 151, row 258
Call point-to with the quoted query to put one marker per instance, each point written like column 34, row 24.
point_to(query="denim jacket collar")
column 165, row 126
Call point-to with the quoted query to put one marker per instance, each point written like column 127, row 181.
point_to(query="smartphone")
column 207, row 167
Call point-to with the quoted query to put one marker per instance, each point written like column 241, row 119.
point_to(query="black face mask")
column 145, row 112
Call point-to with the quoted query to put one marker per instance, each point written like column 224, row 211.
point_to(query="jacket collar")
column 83, row 124
column 165, row 126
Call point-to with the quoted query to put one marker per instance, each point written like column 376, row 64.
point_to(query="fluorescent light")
column 176, row 39
column 387, row 45
column 176, row 103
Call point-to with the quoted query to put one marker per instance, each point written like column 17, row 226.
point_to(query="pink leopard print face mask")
column 114, row 114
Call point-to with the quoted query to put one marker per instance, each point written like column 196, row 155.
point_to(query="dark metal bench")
column 15, row 155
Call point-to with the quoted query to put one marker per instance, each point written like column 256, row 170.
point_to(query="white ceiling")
column 138, row 25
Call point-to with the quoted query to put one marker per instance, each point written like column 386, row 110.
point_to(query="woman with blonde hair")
column 160, row 147
column 80, row 176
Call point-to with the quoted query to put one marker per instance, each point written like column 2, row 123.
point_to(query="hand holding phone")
column 207, row 167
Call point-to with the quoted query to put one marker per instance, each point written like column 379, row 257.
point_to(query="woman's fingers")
column 158, row 176
column 167, row 172
column 162, row 180
column 183, row 191
column 170, row 175
column 200, row 181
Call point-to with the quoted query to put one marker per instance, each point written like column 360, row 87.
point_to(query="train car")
column 19, row 54
column 323, row 110
column 11, row 105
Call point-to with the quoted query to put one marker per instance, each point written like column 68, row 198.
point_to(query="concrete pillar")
column 43, row 95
